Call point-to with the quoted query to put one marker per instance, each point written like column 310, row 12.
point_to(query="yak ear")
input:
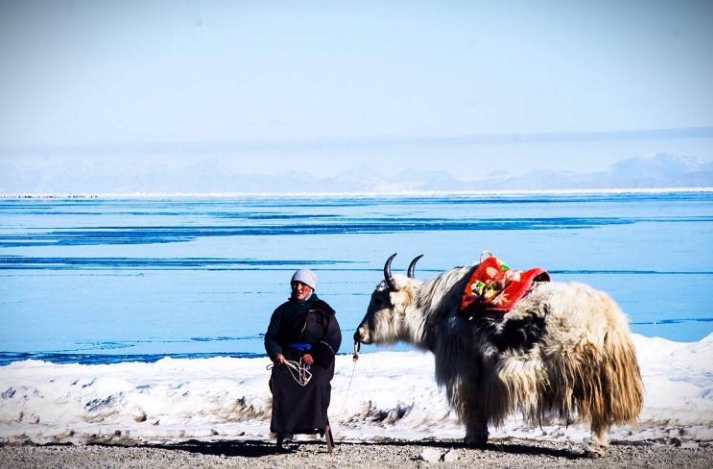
column 407, row 296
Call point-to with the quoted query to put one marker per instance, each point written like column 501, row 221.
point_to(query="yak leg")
column 598, row 440
column 476, row 430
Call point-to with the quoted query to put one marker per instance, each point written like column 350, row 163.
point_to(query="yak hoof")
column 478, row 444
column 476, row 441
column 594, row 451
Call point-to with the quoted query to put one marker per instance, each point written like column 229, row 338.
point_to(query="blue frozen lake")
column 101, row 279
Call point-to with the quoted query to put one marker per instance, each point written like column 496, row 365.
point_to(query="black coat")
column 296, row 408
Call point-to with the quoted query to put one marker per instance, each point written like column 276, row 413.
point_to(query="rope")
column 301, row 374
column 298, row 370
column 355, row 357
column 346, row 396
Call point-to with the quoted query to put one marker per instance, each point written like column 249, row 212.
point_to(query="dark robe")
column 296, row 408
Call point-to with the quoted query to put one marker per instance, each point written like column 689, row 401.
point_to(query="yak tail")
column 620, row 382
column 609, row 382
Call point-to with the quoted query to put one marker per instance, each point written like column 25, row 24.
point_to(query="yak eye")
column 378, row 301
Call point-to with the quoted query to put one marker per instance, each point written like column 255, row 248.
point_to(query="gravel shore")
column 507, row 453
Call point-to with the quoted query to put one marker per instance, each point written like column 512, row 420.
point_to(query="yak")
column 564, row 351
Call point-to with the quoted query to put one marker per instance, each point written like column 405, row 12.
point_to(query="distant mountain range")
column 658, row 171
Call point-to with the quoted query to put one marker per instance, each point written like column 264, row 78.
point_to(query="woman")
column 302, row 340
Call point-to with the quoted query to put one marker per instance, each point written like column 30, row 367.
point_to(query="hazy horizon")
column 470, row 88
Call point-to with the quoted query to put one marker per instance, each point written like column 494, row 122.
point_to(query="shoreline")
column 59, row 358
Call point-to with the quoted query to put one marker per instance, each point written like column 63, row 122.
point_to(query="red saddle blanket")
column 493, row 288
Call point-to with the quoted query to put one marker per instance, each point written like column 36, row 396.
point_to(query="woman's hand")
column 279, row 359
column 307, row 359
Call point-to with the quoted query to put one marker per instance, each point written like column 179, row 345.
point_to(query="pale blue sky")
column 327, row 86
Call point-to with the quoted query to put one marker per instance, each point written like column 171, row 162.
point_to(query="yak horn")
column 387, row 274
column 412, row 266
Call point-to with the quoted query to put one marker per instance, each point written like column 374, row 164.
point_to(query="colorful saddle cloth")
column 493, row 288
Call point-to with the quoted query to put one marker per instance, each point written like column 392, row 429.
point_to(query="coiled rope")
column 298, row 370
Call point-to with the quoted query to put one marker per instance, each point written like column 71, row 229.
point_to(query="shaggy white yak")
column 563, row 351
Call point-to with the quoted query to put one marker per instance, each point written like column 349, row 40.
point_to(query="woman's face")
column 300, row 291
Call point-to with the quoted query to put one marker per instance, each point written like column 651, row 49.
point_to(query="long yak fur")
column 563, row 351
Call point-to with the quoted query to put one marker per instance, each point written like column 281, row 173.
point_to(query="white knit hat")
column 305, row 276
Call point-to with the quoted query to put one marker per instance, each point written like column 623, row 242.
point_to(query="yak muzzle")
column 360, row 337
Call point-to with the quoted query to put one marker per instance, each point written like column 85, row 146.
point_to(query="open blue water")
column 101, row 280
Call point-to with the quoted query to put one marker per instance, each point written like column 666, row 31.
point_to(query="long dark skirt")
column 296, row 408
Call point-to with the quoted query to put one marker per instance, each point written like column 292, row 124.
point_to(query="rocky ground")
column 506, row 453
